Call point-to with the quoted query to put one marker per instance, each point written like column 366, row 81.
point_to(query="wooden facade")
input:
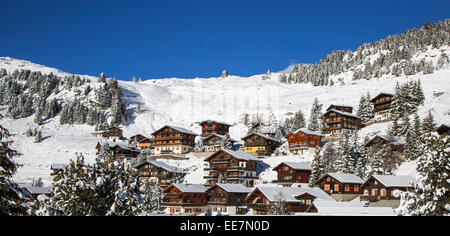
column 342, row 108
column 210, row 127
column 159, row 173
column 232, row 167
column 228, row 198
column 291, row 172
column 382, row 106
column 338, row 185
column 379, row 187
column 120, row 151
column 303, row 141
column 212, row 142
column 260, row 145
column 443, row 130
column 335, row 121
column 173, row 140
column 186, row 199
column 141, row 141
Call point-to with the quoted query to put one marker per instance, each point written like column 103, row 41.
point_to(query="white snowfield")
column 185, row 102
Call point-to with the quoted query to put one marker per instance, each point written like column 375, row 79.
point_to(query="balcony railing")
column 181, row 204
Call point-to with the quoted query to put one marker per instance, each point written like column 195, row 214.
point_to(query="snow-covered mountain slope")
column 183, row 102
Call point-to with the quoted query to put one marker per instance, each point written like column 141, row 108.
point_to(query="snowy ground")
column 183, row 102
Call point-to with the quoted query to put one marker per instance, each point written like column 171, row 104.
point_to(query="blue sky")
column 186, row 39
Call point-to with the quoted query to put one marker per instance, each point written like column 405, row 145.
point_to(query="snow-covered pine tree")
column 279, row 207
column 38, row 137
column 317, row 167
column 226, row 143
column 431, row 194
column 199, row 146
column 365, row 109
column 315, row 118
column 298, row 121
column 344, row 154
column 428, row 124
column 10, row 195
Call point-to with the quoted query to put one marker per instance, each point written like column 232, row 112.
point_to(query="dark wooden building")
column 173, row 140
column 340, row 186
column 159, row 173
column 120, row 151
column 232, row 167
column 303, row 141
column 260, row 145
column 335, row 121
column 342, row 108
column 228, row 199
column 212, row 142
column 214, row 127
column 383, row 187
column 57, row 169
column 112, row 134
column 262, row 198
column 290, row 173
column 188, row 199
column 443, row 130
column 382, row 106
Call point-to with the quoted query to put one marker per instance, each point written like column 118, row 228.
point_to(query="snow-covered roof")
column 162, row 165
column 303, row 130
column 241, row 155
column 190, row 188
column 289, row 193
column 261, row 135
column 121, row 145
column 58, row 166
column 343, row 178
column 381, row 94
column 179, row 129
column 233, row 188
column 297, row 165
column 38, row 190
column 393, row 139
column 339, row 105
column 342, row 113
column 220, row 136
column 395, row 180
column 334, row 208
column 215, row 121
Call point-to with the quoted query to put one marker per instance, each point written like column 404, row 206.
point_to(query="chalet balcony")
column 166, row 138
column 210, row 177
column 180, row 204
column 223, row 161
column 236, row 168
column 210, row 169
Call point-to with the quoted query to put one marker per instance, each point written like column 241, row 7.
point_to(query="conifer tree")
column 428, row 124
column 317, row 167
column 38, row 137
column 226, row 143
column 315, row 118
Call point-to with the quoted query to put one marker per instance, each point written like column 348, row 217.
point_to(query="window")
column 326, row 187
column 347, row 188
column 383, row 192
column 356, row 188
column 336, row 187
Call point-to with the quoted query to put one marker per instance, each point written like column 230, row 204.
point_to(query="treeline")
column 26, row 93
column 393, row 56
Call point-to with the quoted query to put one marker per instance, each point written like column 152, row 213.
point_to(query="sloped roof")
column 381, row 94
column 220, row 136
column 261, row 135
column 334, row 208
column 297, row 165
column 394, row 139
column 303, row 130
column 289, row 193
column 342, row 113
column 240, row 155
column 38, row 190
column 215, row 121
column 339, row 105
column 179, row 129
column 190, row 188
column 162, row 165
column 233, row 188
column 395, row 180
column 343, row 178
column 121, row 145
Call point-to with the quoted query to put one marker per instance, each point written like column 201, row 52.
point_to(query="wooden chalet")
column 121, row 151
column 396, row 145
column 342, row 108
column 260, row 145
column 213, row 141
column 187, row 199
column 173, row 140
column 290, row 173
column 443, row 130
column 232, row 167
column 112, row 134
column 261, row 128
column 303, row 141
column 382, row 106
column 228, row 199
column 140, row 141
column 384, row 189
column 340, row 186
column 335, row 121
column 159, row 173
column 210, row 127
column 262, row 198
